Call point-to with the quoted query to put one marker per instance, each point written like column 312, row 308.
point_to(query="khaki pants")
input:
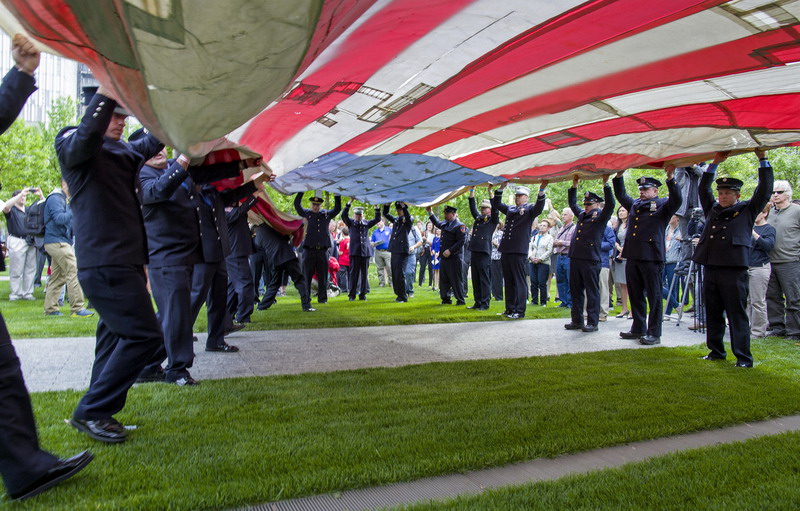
column 63, row 270
column 21, row 268
column 604, row 292
column 383, row 261
column 757, row 299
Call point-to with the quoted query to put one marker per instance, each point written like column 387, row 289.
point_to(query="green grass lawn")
column 232, row 442
column 26, row 319
column 757, row 474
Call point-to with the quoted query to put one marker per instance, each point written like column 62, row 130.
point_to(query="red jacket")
column 344, row 252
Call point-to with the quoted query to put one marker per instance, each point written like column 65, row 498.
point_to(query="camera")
column 32, row 189
column 697, row 214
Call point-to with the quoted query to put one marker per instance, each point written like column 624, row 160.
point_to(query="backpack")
column 34, row 219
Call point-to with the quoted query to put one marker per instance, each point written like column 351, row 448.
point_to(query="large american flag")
column 416, row 99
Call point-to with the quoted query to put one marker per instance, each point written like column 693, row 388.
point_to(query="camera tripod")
column 694, row 276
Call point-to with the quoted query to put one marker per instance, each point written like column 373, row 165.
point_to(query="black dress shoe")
column 743, row 364
column 447, row 302
column 352, row 298
column 362, row 298
column 460, row 304
column 482, row 308
column 589, row 328
column 184, row 381
column 573, row 326
column 62, row 470
column 103, row 430
column 224, row 348
column 713, row 357
column 630, row 335
column 649, row 340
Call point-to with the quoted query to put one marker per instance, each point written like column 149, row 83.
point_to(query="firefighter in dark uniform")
column 584, row 253
column 645, row 251
column 724, row 252
column 514, row 244
column 210, row 277
column 318, row 241
column 360, row 248
column 170, row 205
column 111, row 249
column 454, row 235
column 283, row 261
column 398, row 247
column 480, row 247
column 241, row 286
column 26, row 468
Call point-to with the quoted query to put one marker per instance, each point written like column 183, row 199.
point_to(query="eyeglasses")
column 778, row 192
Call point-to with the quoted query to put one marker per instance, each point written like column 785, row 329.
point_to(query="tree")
column 24, row 159
column 27, row 153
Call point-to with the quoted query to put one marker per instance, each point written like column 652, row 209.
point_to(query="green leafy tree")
column 23, row 158
column 27, row 153
column 62, row 113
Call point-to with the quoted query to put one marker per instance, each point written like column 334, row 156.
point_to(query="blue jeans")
column 539, row 273
column 562, row 280
column 409, row 272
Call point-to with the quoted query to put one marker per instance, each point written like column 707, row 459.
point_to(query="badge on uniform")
column 653, row 206
column 463, row 228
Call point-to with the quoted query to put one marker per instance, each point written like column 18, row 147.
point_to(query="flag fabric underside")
column 408, row 100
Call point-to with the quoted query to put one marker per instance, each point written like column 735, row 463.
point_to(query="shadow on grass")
column 26, row 319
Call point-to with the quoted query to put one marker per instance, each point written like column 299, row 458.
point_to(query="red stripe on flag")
column 596, row 24
column 368, row 49
column 729, row 58
column 776, row 112
column 335, row 18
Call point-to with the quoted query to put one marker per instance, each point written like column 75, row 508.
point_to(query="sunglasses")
column 778, row 192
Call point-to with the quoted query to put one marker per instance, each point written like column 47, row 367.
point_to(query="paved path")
column 65, row 363
column 542, row 469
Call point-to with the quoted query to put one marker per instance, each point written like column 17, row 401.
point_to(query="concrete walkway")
column 65, row 363
column 542, row 469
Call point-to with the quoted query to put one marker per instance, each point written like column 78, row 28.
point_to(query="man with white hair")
column 561, row 244
column 21, row 250
column 783, row 292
